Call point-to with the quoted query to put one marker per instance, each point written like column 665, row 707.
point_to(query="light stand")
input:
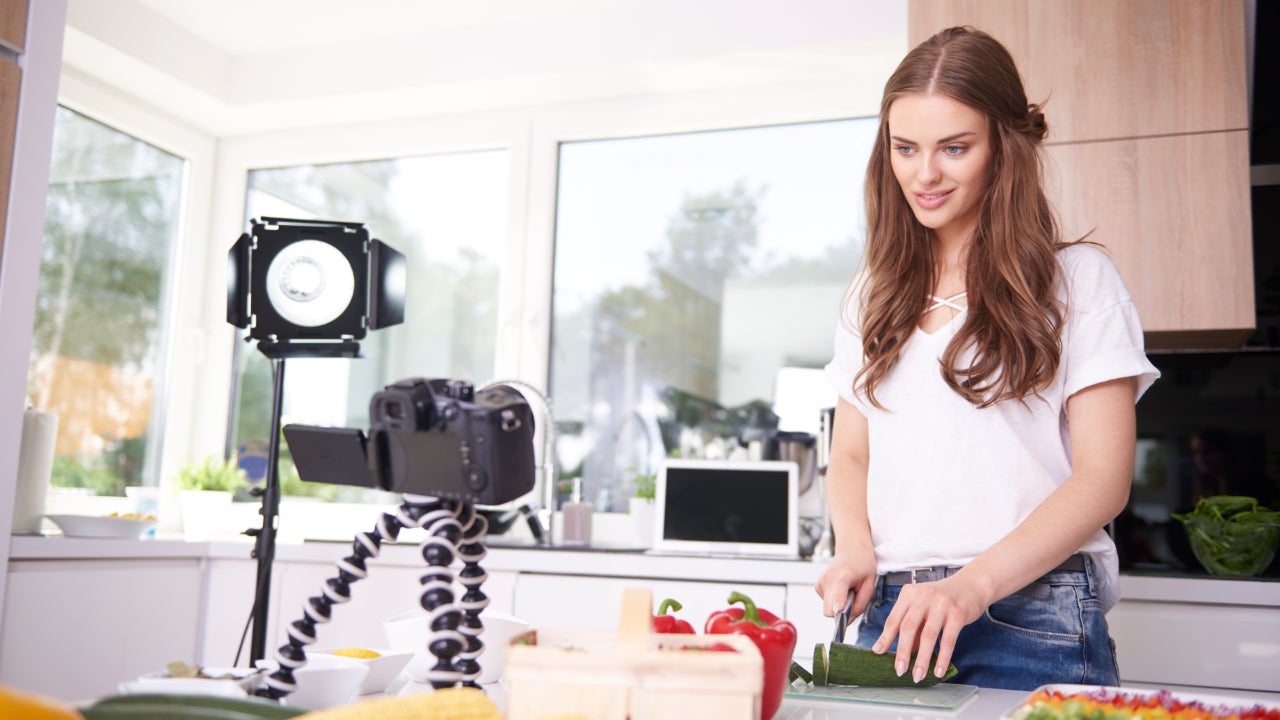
column 304, row 288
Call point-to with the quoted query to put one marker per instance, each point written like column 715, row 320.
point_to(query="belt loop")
column 1088, row 573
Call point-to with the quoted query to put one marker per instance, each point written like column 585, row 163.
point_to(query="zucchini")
column 820, row 665
column 799, row 673
column 853, row 665
column 187, row 707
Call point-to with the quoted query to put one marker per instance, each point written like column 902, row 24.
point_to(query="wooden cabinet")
column 1148, row 142
column 75, row 629
column 13, row 24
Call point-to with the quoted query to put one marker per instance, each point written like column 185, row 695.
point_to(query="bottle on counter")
column 577, row 517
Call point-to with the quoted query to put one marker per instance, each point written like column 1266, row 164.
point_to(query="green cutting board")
column 943, row 696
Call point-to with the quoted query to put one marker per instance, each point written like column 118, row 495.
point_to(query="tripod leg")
column 474, row 601
column 292, row 655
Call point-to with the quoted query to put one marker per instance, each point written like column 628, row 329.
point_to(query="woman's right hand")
column 854, row 570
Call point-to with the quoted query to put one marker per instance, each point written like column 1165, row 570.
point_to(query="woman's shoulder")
column 1090, row 274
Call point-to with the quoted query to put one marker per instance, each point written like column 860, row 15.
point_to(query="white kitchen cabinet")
column 387, row 591
column 75, row 629
column 227, row 603
column 1201, row 644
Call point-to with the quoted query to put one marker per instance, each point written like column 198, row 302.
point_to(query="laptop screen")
column 723, row 507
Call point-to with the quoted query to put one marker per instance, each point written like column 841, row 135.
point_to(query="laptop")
column 727, row 508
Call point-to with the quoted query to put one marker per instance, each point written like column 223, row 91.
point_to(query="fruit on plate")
column 358, row 653
column 843, row 664
column 1114, row 704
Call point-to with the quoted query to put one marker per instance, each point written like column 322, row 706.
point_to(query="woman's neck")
column 951, row 259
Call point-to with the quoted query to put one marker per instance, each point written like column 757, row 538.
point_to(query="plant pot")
column 642, row 517
column 203, row 512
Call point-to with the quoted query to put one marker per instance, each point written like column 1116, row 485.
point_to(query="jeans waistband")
column 1075, row 563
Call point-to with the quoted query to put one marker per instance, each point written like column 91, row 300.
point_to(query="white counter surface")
column 598, row 562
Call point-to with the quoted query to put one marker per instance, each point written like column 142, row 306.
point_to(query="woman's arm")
column 1102, row 427
column 854, row 563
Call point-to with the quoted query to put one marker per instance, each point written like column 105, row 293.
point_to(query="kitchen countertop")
column 587, row 561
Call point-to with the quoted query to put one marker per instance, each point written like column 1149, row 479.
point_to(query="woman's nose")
column 929, row 173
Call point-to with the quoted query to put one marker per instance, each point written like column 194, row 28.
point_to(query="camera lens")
column 394, row 410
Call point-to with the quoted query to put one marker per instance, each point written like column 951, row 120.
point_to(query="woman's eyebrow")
column 943, row 141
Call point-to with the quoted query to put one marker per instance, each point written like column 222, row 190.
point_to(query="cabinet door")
column 386, row 592
column 1221, row 646
column 74, row 630
column 595, row 602
column 1174, row 214
column 1115, row 69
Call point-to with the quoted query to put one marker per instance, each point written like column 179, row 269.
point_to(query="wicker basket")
column 633, row 673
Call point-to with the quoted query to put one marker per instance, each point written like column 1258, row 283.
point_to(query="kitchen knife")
column 842, row 617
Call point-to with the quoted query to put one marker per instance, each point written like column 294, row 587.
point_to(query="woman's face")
column 940, row 151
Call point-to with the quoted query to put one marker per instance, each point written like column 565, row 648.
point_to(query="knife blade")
column 842, row 617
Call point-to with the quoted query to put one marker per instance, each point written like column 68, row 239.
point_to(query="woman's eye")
column 904, row 149
column 954, row 150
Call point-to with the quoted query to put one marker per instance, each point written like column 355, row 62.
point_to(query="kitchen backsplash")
column 1209, row 426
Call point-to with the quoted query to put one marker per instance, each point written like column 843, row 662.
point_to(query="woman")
column 987, row 373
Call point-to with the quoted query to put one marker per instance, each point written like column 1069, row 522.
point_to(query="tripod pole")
column 264, row 549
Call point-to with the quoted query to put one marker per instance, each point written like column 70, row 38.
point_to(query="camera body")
column 442, row 438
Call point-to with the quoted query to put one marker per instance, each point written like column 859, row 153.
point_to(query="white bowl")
column 101, row 526
column 408, row 631
column 382, row 669
column 323, row 684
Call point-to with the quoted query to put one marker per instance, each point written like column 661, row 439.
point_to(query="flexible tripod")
column 454, row 530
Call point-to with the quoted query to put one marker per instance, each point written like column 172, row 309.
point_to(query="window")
column 111, row 222
column 696, row 282
column 447, row 214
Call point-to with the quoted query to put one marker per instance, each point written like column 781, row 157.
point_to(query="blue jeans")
column 1053, row 631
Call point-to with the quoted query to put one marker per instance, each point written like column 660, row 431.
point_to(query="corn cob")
column 446, row 704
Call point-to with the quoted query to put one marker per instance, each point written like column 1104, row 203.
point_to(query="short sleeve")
column 1103, row 338
column 847, row 357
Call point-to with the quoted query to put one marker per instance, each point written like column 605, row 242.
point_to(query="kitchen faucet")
column 544, row 453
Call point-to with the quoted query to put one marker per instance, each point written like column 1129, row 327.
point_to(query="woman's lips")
column 930, row 201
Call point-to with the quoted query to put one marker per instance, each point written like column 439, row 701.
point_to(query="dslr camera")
column 428, row 437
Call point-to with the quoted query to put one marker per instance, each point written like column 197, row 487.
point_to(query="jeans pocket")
column 1055, row 619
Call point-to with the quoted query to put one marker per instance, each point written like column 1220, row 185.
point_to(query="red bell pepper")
column 774, row 636
column 664, row 623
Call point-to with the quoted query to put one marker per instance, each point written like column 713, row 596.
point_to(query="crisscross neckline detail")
column 946, row 302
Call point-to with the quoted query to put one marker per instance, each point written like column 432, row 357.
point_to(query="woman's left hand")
column 925, row 615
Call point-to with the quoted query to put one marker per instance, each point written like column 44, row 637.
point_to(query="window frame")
column 200, row 354
column 184, row 344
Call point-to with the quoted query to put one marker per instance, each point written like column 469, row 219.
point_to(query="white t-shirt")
column 946, row 480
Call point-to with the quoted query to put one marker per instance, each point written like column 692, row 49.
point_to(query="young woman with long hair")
column 987, row 371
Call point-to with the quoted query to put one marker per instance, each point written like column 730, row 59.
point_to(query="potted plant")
column 205, row 488
column 640, row 505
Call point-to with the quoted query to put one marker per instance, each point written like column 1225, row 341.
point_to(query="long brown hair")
column 1013, row 322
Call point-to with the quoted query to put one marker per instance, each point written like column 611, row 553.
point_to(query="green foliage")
column 69, row 471
column 645, row 484
column 292, row 485
column 210, row 474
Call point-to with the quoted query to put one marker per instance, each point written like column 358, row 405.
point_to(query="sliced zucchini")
column 853, row 665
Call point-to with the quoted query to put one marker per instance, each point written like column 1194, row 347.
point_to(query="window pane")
column 110, row 224
column 697, row 278
column 448, row 215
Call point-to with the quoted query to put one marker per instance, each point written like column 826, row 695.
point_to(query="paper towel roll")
column 35, row 464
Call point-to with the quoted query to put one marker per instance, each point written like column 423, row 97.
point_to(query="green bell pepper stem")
column 669, row 604
column 749, row 611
